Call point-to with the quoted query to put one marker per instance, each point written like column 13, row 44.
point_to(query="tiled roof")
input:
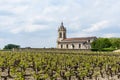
column 82, row 39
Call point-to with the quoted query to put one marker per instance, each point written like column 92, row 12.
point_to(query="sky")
column 34, row 23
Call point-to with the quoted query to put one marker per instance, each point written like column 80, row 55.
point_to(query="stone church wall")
column 73, row 46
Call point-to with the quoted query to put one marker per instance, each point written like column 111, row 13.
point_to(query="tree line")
column 106, row 44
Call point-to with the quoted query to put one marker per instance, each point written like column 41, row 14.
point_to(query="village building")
column 72, row 43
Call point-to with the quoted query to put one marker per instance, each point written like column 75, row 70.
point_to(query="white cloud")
column 109, row 35
column 1, row 39
column 19, row 9
column 81, row 34
column 9, row 2
column 97, row 26
column 28, row 28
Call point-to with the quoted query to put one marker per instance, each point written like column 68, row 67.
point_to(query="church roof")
column 81, row 39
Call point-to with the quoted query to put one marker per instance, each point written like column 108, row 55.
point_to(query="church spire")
column 62, row 27
column 61, row 23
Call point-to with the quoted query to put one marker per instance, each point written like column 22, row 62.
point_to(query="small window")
column 64, row 35
column 88, row 40
column 60, row 35
column 67, row 46
column 73, row 46
column 61, row 46
column 79, row 45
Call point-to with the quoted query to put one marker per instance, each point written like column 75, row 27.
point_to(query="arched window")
column 61, row 46
column 67, row 46
column 64, row 35
column 60, row 35
column 79, row 45
column 73, row 46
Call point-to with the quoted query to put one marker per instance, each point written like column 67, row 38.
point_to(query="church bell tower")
column 61, row 32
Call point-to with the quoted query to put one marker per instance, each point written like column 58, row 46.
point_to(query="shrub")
column 108, row 49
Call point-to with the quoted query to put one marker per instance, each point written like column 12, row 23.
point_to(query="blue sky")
column 34, row 23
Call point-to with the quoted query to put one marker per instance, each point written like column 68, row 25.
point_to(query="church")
column 72, row 43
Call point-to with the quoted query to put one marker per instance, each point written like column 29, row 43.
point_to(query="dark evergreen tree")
column 11, row 46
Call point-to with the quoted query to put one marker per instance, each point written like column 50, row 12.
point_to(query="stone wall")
column 73, row 46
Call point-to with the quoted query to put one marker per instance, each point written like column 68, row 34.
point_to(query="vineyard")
column 31, row 65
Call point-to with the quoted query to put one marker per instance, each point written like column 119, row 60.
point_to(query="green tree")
column 106, row 43
column 11, row 46
column 116, row 43
column 101, row 43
